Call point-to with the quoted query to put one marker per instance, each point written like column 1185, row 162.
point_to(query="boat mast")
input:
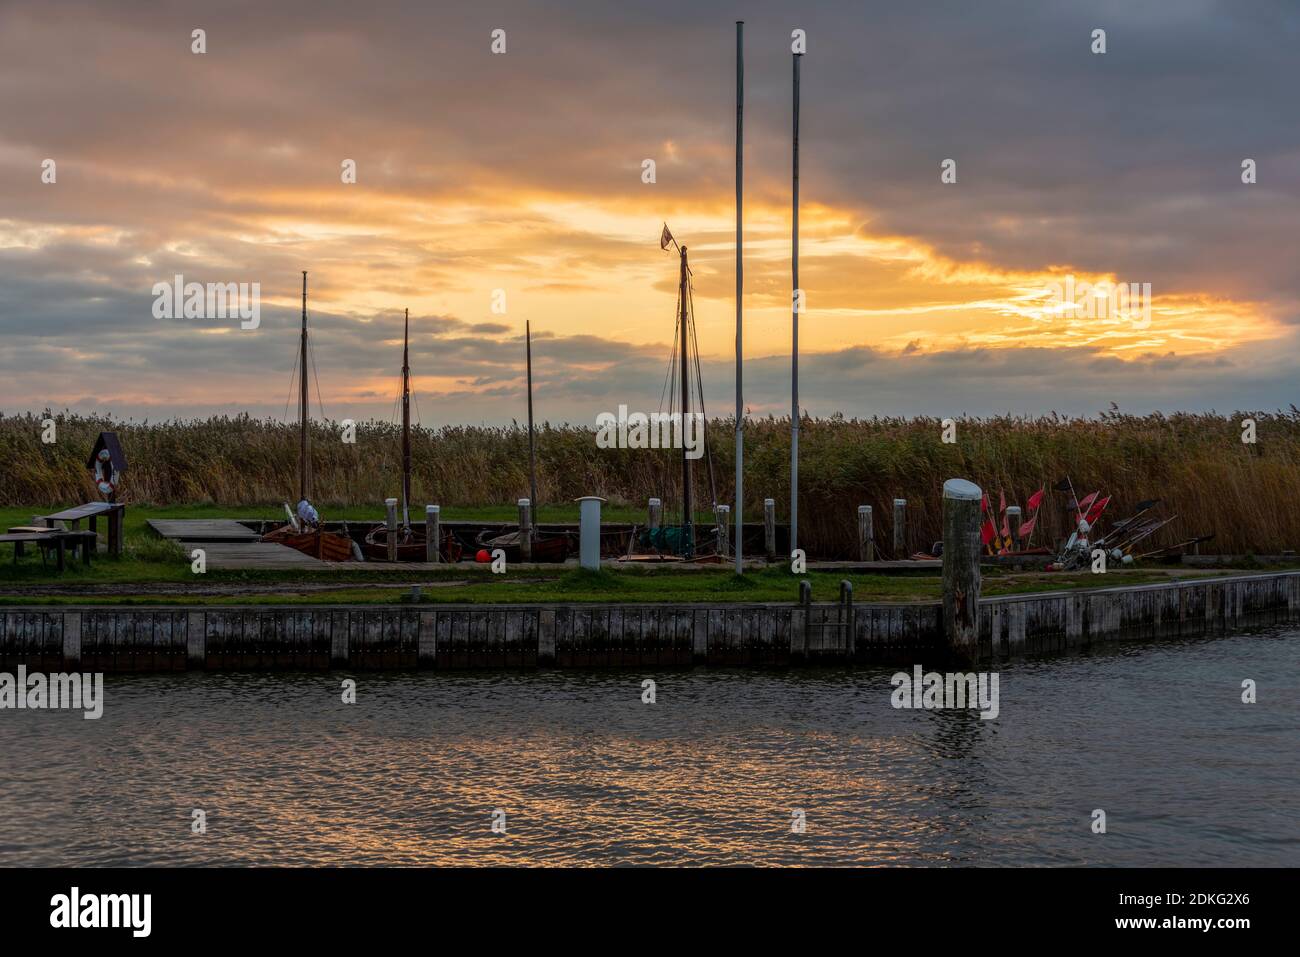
column 532, row 448
column 688, row 517
column 406, row 422
column 302, row 398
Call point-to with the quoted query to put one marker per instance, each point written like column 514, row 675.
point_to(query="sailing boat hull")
column 326, row 546
column 545, row 548
column 409, row 550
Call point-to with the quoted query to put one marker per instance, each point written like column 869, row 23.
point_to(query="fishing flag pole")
column 740, row 282
column 794, row 357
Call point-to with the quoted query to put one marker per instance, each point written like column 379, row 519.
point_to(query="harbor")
column 448, row 636
column 590, row 776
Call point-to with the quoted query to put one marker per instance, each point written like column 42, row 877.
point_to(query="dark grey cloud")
column 1127, row 162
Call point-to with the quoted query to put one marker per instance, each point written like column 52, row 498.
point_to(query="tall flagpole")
column 794, row 361
column 683, row 322
column 532, row 448
column 740, row 284
column 303, row 468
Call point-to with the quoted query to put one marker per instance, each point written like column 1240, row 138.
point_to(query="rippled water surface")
column 1154, row 734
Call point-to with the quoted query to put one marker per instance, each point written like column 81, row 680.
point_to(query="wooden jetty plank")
column 203, row 530
column 252, row 555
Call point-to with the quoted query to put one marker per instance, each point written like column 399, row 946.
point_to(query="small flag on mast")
column 665, row 238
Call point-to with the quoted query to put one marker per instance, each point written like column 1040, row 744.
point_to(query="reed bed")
column 1196, row 463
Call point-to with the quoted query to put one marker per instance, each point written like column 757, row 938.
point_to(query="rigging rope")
column 699, row 380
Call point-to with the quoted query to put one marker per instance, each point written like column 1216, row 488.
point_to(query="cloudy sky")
column 522, row 172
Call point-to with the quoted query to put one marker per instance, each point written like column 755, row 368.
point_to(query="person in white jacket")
column 308, row 515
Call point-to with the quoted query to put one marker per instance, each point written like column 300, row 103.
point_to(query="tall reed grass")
column 1247, row 495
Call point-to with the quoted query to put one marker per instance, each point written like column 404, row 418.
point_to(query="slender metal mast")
column 406, row 422
column 688, row 516
column 740, row 284
column 302, row 398
column 794, row 360
column 532, row 447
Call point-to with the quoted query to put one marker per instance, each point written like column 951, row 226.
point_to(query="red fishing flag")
column 1094, row 513
column 987, row 531
column 1036, row 499
column 1027, row 528
column 1086, row 502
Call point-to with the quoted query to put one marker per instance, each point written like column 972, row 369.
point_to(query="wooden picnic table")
column 56, row 538
column 91, row 511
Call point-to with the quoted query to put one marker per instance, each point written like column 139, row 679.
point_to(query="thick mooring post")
column 900, row 529
column 721, row 515
column 961, row 567
column 525, row 530
column 390, row 505
column 866, row 550
column 432, row 533
column 1013, row 526
column 769, row 528
column 589, row 531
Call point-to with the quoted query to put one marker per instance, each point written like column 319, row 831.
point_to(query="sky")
column 522, row 172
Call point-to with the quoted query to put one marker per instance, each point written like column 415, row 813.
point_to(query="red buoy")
column 483, row 556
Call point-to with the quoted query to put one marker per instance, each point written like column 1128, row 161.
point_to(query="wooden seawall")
column 291, row 637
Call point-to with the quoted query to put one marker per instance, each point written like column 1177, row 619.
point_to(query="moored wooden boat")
column 546, row 547
column 327, row 546
column 315, row 542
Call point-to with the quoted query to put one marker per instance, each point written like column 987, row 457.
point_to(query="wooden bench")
column 91, row 511
column 56, row 539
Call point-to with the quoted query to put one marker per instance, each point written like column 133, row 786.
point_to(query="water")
column 1154, row 734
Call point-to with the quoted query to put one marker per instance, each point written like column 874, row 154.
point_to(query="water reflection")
column 711, row 774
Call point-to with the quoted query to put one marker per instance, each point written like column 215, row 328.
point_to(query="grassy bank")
column 156, row 571
column 627, row 585
column 1244, row 494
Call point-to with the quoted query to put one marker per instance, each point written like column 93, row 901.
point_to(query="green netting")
column 666, row 539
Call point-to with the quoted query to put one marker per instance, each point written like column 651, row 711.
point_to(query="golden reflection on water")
column 712, row 774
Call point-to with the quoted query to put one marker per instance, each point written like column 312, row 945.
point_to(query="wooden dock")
column 228, row 544
column 254, row 555
column 603, row 635
column 203, row 530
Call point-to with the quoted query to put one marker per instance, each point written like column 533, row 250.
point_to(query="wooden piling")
column 116, row 521
column 432, row 533
column 900, row 529
column 390, row 506
column 769, row 528
column 961, row 567
column 525, row 530
column 866, row 548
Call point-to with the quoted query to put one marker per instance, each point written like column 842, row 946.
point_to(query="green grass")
column 150, row 560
